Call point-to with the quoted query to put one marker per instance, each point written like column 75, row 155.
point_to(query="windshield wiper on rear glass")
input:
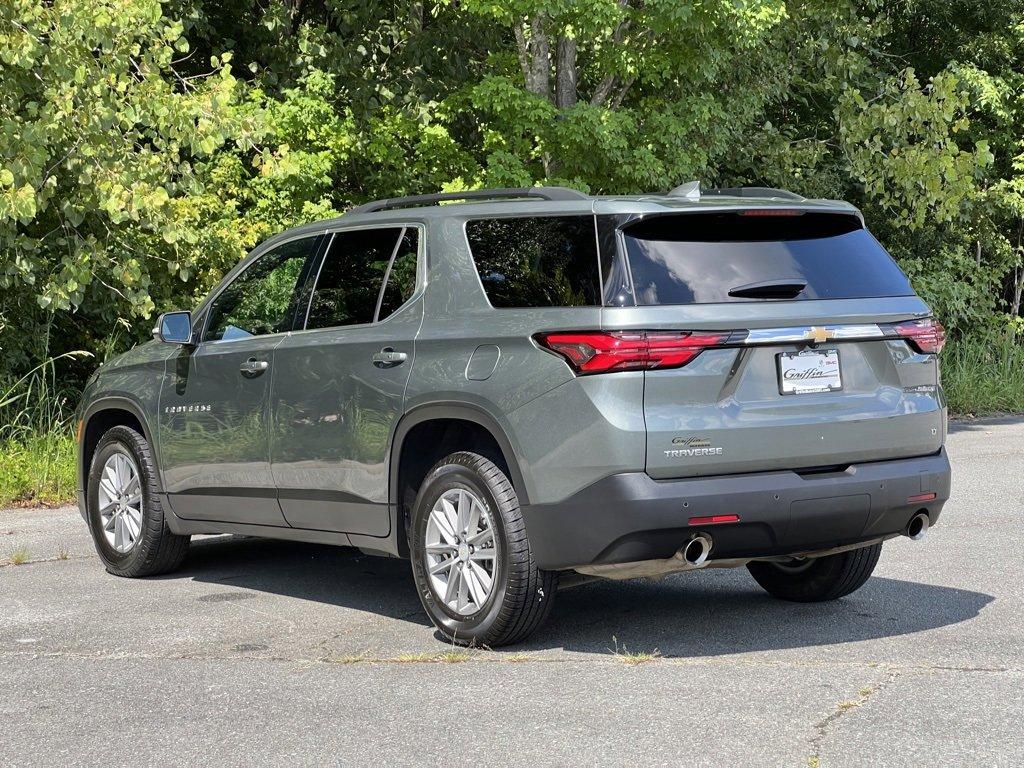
column 786, row 288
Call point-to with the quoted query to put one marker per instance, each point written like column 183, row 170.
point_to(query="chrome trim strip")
column 819, row 334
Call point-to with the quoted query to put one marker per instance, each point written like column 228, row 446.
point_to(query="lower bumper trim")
column 630, row 517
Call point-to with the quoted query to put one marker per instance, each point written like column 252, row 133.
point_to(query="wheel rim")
column 795, row 565
column 460, row 549
column 120, row 502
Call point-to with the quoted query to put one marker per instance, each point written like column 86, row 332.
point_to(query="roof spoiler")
column 542, row 193
column 692, row 191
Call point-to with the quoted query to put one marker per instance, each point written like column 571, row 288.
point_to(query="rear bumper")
column 631, row 517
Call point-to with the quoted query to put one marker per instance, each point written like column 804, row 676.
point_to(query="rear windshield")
column 756, row 256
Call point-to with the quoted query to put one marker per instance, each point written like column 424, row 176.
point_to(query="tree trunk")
column 535, row 56
column 1018, row 289
column 565, row 82
column 1018, row 276
column 298, row 6
column 610, row 82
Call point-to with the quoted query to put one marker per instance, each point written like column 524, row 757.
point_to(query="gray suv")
column 506, row 385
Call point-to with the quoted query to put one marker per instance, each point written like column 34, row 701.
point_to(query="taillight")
column 772, row 212
column 927, row 335
column 606, row 351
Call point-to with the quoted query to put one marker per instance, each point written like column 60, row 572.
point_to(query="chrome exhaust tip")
column 697, row 550
column 918, row 526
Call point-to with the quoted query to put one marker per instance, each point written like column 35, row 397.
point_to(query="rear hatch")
column 773, row 338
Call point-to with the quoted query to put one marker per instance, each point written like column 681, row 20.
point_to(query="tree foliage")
column 146, row 145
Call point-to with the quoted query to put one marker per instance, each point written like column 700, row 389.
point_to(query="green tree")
column 98, row 136
column 135, row 168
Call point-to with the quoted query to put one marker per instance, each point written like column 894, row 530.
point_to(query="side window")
column 539, row 261
column 262, row 299
column 401, row 282
column 350, row 278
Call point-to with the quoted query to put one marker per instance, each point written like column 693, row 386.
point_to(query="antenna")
column 690, row 190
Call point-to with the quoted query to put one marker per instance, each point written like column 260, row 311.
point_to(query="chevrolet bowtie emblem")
column 818, row 334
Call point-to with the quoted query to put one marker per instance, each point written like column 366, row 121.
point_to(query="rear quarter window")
column 731, row 256
column 536, row 261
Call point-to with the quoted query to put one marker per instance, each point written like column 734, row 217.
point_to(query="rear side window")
column 752, row 256
column 351, row 275
column 537, row 261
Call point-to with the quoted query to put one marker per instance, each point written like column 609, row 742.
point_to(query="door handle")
column 252, row 367
column 388, row 358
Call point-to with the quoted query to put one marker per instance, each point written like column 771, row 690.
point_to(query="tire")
column 520, row 595
column 824, row 578
column 154, row 549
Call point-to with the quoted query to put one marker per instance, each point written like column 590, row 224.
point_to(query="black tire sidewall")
column 829, row 578
column 118, row 440
column 442, row 479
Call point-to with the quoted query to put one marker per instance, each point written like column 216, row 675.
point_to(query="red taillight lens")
column 607, row 351
column 927, row 335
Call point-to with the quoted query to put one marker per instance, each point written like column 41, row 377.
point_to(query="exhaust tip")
column 918, row 526
column 697, row 550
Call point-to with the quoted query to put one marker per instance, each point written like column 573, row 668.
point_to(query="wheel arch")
column 443, row 428
column 103, row 415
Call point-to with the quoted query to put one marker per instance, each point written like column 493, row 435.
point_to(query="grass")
column 37, row 447
column 19, row 556
column 517, row 658
column 451, row 656
column 982, row 377
column 352, row 658
column 37, row 469
column 633, row 658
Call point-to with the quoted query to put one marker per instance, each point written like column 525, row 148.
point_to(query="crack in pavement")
column 843, row 708
column 486, row 656
column 56, row 559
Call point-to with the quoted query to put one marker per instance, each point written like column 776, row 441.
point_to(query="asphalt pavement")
column 273, row 653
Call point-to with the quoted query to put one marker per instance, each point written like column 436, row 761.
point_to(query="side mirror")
column 174, row 328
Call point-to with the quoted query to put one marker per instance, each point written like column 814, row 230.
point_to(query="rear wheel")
column 471, row 558
column 817, row 579
column 125, row 514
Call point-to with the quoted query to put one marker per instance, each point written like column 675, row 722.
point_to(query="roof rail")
column 544, row 193
column 784, row 194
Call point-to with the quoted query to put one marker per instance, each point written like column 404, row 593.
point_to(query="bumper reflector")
column 920, row 497
column 716, row 519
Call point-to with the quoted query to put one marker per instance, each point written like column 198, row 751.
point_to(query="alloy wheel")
column 120, row 502
column 460, row 550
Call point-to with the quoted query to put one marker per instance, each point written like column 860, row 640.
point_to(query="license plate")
column 802, row 373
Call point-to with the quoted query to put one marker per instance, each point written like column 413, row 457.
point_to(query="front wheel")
column 471, row 558
column 125, row 514
column 818, row 579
